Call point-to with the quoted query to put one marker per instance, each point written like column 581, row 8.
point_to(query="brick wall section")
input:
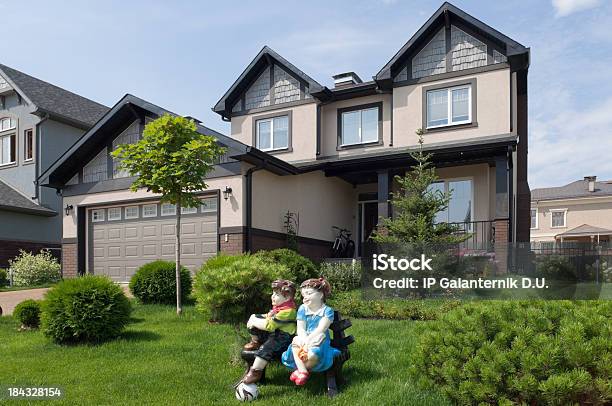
column 234, row 245
column 10, row 249
column 501, row 246
column 310, row 248
column 70, row 268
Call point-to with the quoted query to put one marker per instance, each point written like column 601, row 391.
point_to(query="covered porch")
column 585, row 234
column 479, row 174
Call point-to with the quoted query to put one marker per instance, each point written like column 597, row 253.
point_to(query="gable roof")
column 251, row 72
column 126, row 111
column 51, row 99
column 577, row 189
column 13, row 200
column 513, row 48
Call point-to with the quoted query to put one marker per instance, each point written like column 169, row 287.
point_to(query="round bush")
column 86, row 309
column 28, row 313
column 230, row 288
column 555, row 352
column 32, row 270
column 300, row 267
column 155, row 282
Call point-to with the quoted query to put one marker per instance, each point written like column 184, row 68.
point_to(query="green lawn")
column 162, row 359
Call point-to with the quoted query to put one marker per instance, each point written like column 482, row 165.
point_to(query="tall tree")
column 171, row 159
column 415, row 207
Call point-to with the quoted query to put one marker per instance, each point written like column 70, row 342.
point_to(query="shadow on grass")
column 135, row 320
column 139, row 335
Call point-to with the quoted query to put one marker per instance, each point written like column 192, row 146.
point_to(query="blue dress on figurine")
column 324, row 352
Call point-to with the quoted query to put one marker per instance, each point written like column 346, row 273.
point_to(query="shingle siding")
column 286, row 87
column 130, row 135
column 97, row 169
column 467, row 52
column 258, row 95
column 431, row 60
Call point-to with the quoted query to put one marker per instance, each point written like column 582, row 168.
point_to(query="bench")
column 338, row 340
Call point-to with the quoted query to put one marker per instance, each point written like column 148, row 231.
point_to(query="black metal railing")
column 479, row 235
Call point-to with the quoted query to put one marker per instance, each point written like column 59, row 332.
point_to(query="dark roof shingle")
column 579, row 188
column 12, row 200
column 54, row 99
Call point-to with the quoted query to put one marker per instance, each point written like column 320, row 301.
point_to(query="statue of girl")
column 311, row 348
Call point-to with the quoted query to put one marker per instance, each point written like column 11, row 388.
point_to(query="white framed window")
column 558, row 218
column 461, row 206
column 150, row 210
column 449, row 106
column 114, row 213
column 168, row 209
column 7, row 123
column 534, row 218
column 8, row 147
column 189, row 210
column 28, row 144
column 209, row 205
column 131, row 212
column 272, row 133
column 97, row 215
column 359, row 126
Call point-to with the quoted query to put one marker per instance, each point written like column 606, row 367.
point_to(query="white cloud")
column 567, row 7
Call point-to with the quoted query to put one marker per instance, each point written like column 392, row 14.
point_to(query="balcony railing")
column 479, row 235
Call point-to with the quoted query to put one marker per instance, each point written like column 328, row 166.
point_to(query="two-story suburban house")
column 579, row 212
column 38, row 123
column 327, row 154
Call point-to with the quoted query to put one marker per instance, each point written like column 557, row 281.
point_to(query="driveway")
column 8, row 300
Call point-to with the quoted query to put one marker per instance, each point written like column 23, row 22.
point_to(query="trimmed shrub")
column 155, row 282
column 555, row 352
column 28, row 313
column 4, row 278
column 32, row 270
column 230, row 288
column 85, row 309
column 300, row 267
column 342, row 276
column 556, row 267
column 351, row 304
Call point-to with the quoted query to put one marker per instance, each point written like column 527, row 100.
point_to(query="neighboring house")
column 327, row 154
column 38, row 123
column 580, row 211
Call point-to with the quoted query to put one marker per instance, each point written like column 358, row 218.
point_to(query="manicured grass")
column 163, row 359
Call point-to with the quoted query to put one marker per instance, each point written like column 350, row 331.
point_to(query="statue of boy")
column 311, row 348
column 271, row 333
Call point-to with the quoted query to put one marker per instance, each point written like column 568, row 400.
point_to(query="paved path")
column 8, row 300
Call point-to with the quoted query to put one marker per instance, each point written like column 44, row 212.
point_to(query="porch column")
column 502, row 213
column 383, row 194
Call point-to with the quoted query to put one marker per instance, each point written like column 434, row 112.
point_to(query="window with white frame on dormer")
column 272, row 133
column 8, row 141
column 449, row 106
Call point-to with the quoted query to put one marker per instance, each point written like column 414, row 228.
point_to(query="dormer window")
column 446, row 106
column 8, row 144
column 273, row 133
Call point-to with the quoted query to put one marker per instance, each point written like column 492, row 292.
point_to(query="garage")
column 124, row 237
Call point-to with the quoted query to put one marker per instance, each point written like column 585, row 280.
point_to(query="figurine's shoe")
column 301, row 378
column 252, row 346
column 294, row 375
column 253, row 376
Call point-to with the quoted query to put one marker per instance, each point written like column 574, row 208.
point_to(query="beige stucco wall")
column 493, row 109
column 231, row 210
column 592, row 211
column 303, row 130
column 329, row 125
column 320, row 201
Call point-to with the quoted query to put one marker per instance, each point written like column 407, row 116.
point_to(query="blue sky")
column 183, row 55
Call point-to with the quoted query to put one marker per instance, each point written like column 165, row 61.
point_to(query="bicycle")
column 343, row 246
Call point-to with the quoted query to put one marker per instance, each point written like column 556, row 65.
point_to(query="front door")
column 368, row 218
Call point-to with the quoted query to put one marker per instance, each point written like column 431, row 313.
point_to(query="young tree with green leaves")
column 415, row 206
column 171, row 159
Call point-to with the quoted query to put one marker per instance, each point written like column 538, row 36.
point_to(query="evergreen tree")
column 415, row 206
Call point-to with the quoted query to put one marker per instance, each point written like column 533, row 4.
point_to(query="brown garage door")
column 122, row 238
